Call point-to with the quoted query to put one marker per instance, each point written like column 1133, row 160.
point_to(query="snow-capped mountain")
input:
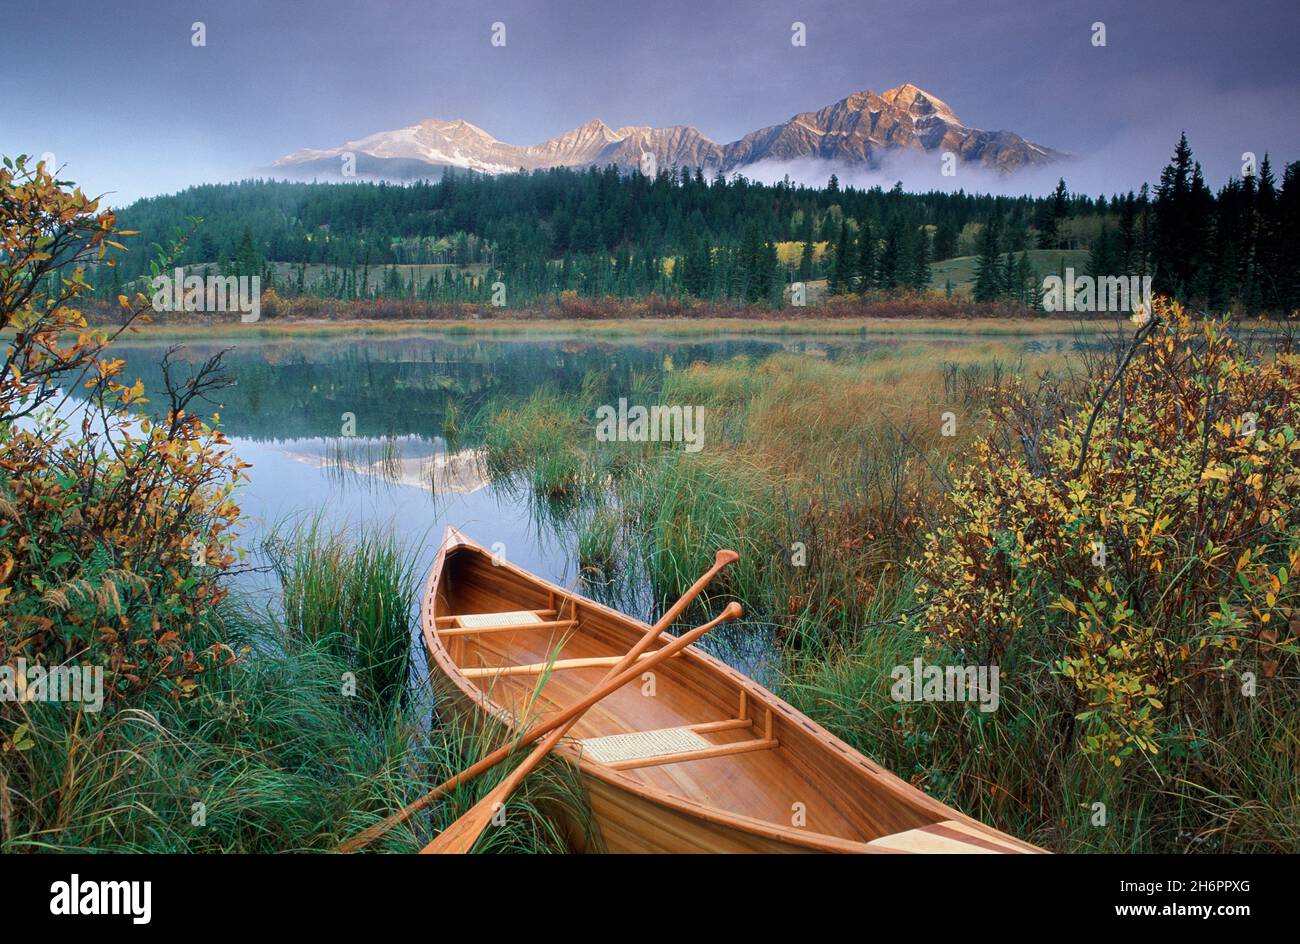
column 860, row 129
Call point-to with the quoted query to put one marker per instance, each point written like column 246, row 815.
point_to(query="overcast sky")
column 117, row 92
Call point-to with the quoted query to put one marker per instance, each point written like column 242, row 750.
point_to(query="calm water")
column 402, row 398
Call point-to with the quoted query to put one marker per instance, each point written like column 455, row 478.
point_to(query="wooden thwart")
column 537, row 668
column 506, row 627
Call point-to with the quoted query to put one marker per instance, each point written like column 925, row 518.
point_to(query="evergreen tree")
column 866, row 267
column 988, row 274
column 806, row 257
column 1102, row 258
column 247, row 261
column 892, row 255
column 841, row 274
column 920, row 268
column 945, row 241
column 1028, row 292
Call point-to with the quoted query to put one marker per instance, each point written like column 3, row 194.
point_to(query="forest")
column 605, row 233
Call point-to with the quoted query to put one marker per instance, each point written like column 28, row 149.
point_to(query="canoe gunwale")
column 758, row 698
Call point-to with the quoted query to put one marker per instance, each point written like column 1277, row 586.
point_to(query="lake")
column 376, row 428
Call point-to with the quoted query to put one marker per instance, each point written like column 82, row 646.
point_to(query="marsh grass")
column 848, row 458
column 270, row 754
column 354, row 595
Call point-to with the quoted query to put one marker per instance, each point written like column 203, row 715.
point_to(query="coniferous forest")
column 602, row 233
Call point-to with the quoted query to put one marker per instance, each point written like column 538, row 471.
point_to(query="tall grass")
column 275, row 752
column 353, row 595
column 848, row 459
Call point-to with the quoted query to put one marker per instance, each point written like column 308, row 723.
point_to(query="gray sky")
column 116, row 91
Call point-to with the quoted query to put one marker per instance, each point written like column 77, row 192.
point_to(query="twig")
column 1142, row 334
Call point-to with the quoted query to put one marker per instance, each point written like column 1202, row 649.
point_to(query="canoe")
column 696, row 758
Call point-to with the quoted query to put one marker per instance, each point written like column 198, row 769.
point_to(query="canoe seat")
column 508, row 618
column 641, row 744
column 669, row 745
column 506, row 621
column 949, row 836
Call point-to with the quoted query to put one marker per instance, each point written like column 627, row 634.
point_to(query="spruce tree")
column 842, row 268
column 920, row 274
column 988, row 274
column 866, row 267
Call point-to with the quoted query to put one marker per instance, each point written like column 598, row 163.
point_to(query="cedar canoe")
column 710, row 762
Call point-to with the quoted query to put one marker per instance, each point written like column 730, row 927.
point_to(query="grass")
column 352, row 596
column 847, row 460
column 276, row 752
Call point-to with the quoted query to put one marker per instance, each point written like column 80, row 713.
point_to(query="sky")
column 123, row 100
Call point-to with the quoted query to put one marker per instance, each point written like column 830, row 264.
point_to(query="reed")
column 270, row 754
column 353, row 594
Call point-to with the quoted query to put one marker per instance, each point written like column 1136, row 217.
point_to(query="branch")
column 1143, row 333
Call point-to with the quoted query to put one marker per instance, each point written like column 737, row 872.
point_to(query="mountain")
column 862, row 129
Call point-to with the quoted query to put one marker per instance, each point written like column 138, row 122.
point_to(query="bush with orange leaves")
column 1130, row 555
column 113, row 526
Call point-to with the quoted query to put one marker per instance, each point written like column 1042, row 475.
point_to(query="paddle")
column 461, row 835
column 722, row 559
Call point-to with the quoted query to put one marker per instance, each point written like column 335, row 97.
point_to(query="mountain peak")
column 860, row 129
column 918, row 102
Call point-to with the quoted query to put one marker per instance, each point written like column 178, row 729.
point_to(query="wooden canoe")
column 710, row 762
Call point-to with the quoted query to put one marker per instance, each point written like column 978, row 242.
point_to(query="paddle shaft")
column 472, row 823
column 722, row 559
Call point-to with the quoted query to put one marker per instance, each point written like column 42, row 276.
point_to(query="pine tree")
column 842, row 268
column 806, row 257
column 988, row 274
column 1060, row 212
column 1102, row 261
column 1027, row 292
column 866, row 267
column 247, row 261
column 920, row 274
column 945, row 241
column 892, row 255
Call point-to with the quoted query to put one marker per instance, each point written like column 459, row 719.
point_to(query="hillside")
column 1043, row 262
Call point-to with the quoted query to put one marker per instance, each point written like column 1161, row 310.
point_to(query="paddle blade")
column 460, row 836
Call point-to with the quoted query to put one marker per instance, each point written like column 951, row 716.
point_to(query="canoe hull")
column 623, row 821
column 769, row 765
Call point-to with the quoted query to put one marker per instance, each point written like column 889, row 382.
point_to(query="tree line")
column 600, row 232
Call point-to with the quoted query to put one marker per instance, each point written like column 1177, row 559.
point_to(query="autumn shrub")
column 1144, row 550
column 113, row 526
column 1129, row 561
column 114, row 522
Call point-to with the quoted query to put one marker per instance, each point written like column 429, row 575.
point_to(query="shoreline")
column 623, row 327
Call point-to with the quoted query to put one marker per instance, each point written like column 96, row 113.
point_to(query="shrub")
column 113, row 526
column 1132, row 565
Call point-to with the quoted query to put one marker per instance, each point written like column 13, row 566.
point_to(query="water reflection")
column 376, row 430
